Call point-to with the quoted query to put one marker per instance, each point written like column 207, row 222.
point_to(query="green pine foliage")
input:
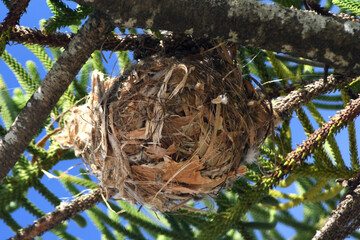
column 41, row 54
column 123, row 60
column 98, row 62
column 282, row 72
column 255, row 205
column 352, row 6
column 23, row 77
column 8, row 106
column 5, row 36
column 64, row 16
column 81, row 84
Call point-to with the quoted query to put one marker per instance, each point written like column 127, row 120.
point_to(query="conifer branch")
column 345, row 220
column 286, row 105
column 349, row 5
column 248, row 22
column 14, row 15
column 62, row 213
column 31, row 118
column 321, row 158
column 298, row 98
column 115, row 43
column 333, row 148
column 65, row 16
column 296, row 157
column 24, row 35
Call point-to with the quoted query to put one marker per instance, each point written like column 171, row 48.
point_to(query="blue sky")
column 35, row 12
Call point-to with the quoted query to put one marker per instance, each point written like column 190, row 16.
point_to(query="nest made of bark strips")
column 173, row 131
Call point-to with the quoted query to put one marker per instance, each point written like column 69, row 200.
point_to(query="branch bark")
column 130, row 42
column 31, row 118
column 317, row 138
column 344, row 221
column 286, row 105
column 14, row 15
column 248, row 22
column 52, row 219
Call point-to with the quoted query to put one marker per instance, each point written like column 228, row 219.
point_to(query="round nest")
column 170, row 130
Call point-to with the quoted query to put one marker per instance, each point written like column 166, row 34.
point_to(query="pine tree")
column 302, row 61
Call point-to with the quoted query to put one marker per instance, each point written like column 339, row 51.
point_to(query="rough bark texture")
column 31, row 118
column 298, row 33
column 295, row 32
column 62, row 213
column 286, row 105
column 114, row 43
column 14, row 14
column 344, row 220
column 317, row 138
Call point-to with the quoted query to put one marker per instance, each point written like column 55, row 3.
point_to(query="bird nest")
column 170, row 130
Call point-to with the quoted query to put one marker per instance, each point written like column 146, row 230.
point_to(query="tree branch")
column 130, row 42
column 31, row 118
column 286, row 105
column 62, row 213
column 14, row 15
column 345, row 220
column 316, row 139
column 297, row 98
column 248, row 22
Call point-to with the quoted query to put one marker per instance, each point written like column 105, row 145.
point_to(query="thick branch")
column 276, row 28
column 52, row 219
column 31, row 118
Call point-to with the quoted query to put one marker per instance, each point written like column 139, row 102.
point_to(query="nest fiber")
column 170, row 130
